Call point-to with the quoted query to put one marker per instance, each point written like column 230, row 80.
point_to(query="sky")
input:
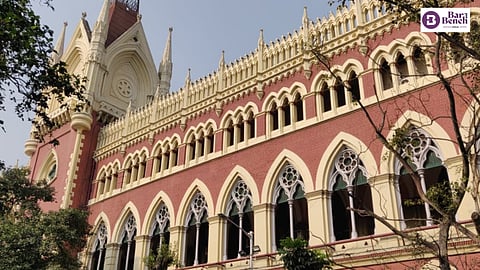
column 202, row 29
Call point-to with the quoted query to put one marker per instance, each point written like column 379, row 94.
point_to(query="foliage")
column 448, row 49
column 296, row 256
column 30, row 238
column 28, row 77
column 162, row 258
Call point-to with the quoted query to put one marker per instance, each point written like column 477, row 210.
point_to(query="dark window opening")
column 340, row 92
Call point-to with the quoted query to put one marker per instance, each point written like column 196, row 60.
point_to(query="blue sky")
column 202, row 29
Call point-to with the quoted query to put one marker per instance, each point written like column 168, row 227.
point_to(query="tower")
column 117, row 64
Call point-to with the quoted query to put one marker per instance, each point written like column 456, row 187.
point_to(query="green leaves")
column 27, row 76
column 31, row 238
column 296, row 256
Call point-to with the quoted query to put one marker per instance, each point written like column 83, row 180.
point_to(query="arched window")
column 290, row 206
column 419, row 61
column 420, row 151
column 240, row 212
column 385, row 74
column 273, row 116
column 98, row 256
column 354, row 86
column 192, row 147
column 298, row 106
column 201, row 145
column 230, row 133
column 340, row 93
column 402, row 68
column 456, row 52
column 126, row 257
column 250, row 126
column 196, row 236
column 326, row 99
column 161, row 230
column 240, row 129
column 350, row 190
column 49, row 168
column 286, row 113
column 209, row 142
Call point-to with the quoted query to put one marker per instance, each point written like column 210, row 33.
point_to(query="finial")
column 221, row 63
column 84, row 15
column 305, row 16
column 260, row 38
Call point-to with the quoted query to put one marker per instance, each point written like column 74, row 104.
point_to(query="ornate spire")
column 260, row 39
column 100, row 29
column 57, row 54
column 166, row 67
column 305, row 18
column 221, row 63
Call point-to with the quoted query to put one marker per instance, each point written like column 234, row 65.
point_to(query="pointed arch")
column 277, row 165
column 224, row 195
column 343, row 139
column 128, row 209
column 435, row 130
column 149, row 218
column 196, row 185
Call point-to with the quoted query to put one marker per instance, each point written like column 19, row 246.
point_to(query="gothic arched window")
column 350, row 190
column 423, row 156
column 196, row 236
column 98, row 257
column 161, row 229
column 290, row 206
column 240, row 212
column 386, row 74
column 126, row 257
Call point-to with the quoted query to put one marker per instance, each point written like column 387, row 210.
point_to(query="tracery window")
column 240, row 212
column 424, row 156
column 161, row 230
column 250, row 126
column 126, row 257
column 350, row 190
column 196, row 236
column 98, row 256
column 290, row 206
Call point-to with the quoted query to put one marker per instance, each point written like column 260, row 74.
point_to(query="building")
column 273, row 141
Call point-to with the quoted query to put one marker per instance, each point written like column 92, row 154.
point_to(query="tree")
column 162, row 258
column 28, row 75
column 296, row 256
column 460, row 88
column 30, row 238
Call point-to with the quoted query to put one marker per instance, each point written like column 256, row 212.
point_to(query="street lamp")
column 248, row 234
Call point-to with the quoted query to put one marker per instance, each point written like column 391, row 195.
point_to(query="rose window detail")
column 124, row 88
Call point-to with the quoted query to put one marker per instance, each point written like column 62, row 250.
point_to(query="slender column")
column 290, row 212
column 352, row 214
column 197, row 239
column 129, row 243
column 240, row 232
column 428, row 215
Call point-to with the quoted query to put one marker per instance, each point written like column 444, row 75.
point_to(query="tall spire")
column 166, row 67
column 57, row 54
column 100, row 29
